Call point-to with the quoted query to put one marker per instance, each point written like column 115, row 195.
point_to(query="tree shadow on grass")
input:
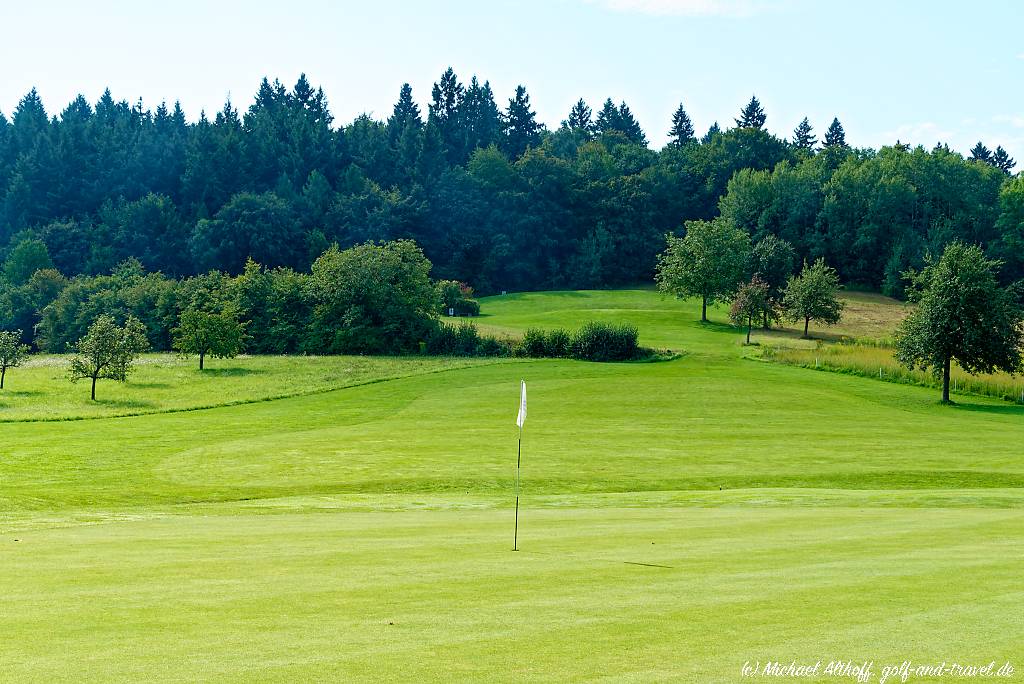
column 234, row 372
column 21, row 393
column 996, row 409
column 131, row 404
column 720, row 327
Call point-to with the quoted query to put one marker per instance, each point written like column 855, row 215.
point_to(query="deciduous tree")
column 772, row 262
column 813, row 296
column 962, row 315
column 108, row 351
column 751, row 302
column 203, row 334
column 709, row 262
column 12, row 352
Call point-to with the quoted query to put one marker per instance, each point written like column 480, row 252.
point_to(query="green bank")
column 679, row 519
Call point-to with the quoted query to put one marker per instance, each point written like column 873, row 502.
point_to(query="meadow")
column 678, row 518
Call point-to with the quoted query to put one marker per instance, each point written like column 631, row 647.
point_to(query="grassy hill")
column 678, row 518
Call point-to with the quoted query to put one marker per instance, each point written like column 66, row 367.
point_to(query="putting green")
column 679, row 519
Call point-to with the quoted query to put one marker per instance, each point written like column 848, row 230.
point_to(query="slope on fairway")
column 364, row 533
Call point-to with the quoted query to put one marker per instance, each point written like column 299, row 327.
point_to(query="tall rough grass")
column 871, row 358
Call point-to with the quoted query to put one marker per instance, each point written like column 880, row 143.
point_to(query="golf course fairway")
column 678, row 519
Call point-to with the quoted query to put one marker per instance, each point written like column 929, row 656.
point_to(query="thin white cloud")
column 691, row 8
column 922, row 133
column 1014, row 120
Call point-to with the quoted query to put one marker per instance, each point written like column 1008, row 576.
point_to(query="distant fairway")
column 678, row 519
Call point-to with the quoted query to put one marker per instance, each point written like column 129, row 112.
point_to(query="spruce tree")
column 612, row 119
column 682, row 128
column 981, row 153
column 713, row 130
column 443, row 111
column 835, row 136
column 521, row 127
column 479, row 116
column 803, row 136
column 1003, row 161
column 629, row 126
column 580, row 118
column 608, row 119
column 751, row 116
column 405, row 114
column 430, row 163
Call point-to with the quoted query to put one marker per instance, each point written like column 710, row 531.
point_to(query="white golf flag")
column 521, row 418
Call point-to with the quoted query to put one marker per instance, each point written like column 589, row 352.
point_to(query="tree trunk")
column 945, row 381
column 750, row 323
column 764, row 322
column 94, row 388
column 202, row 355
column 3, row 372
column 807, row 323
column 703, row 309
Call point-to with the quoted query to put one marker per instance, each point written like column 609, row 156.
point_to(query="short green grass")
column 40, row 389
column 677, row 519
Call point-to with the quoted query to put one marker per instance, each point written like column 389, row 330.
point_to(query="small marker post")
column 519, row 456
column 520, row 421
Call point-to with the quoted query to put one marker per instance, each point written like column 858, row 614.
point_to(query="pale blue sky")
column 917, row 71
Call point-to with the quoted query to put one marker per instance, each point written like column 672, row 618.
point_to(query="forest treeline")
column 493, row 197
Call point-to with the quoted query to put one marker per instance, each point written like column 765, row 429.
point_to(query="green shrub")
column 467, row 339
column 597, row 341
column 496, row 346
column 557, row 343
column 593, row 342
column 534, row 343
column 457, row 298
column 467, row 307
column 453, row 340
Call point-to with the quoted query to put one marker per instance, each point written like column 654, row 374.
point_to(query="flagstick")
column 519, row 456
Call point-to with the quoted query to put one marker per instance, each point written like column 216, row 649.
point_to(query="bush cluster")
column 606, row 342
column 595, row 341
column 456, row 299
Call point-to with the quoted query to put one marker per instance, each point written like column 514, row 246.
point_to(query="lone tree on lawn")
column 709, row 262
column 772, row 261
column 202, row 333
column 12, row 352
column 107, row 351
column 752, row 301
column 962, row 314
column 813, row 296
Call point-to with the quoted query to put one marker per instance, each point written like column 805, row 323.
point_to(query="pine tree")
column 479, row 116
column 612, row 119
column 630, row 127
column 713, row 130
column 981, row 153
column 751, row 116
column 521, row 127
column 430, row 163
column 803, row 136
column 682, row 128
column 443, row 111
column 607, row 118
column 1003, row 161
column 835, row 136
column 406, row 114
column 580, row 118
